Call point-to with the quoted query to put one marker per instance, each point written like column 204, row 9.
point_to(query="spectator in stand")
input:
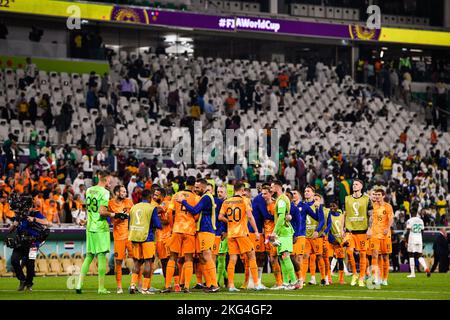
column 63, row 121
column 126, row 87
column 99, row 132
column 433, row 138
column 109, row 125
column 442, row 206
column 230, row 104
column 88, row 165
column 404, row 136
column 23, row 108
column 386, row 165
column 406, row 86
column 30, row 71
column 289, row 175
column 92, row 101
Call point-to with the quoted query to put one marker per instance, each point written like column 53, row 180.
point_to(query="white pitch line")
column 320, row 296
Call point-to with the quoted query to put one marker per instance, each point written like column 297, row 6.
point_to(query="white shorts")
column 415, row 247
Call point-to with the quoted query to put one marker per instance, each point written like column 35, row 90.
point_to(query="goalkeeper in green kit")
column 283, row 236
column 98, row 240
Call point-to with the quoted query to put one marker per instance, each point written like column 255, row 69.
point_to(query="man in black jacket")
column 440, row 248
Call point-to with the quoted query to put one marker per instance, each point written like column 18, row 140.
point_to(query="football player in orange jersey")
column 379, row 235
column 269, row 226
column 206, row 227
column 164, row 234
column 237, row 212
column 182, row 241
column 120, row 204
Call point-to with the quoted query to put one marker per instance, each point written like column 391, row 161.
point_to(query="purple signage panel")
column 236, row 24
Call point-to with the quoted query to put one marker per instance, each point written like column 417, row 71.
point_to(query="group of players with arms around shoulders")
column 192, row 232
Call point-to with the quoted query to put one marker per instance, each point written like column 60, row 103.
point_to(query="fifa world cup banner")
column 223, row 23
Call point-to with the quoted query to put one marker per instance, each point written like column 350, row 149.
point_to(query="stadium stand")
column 148, row 97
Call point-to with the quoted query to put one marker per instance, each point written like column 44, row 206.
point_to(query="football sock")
column 341, row 275
column 188, row 270
column 368, row 263
column 321, row 263
column 141, row 270
column 288, row 270
column 134, row 279
column 164, row 266
column 260, row 272
column 277, row 272
column 381, row 266
column 170, row 270
column 146, row 284
column 326, row 260
column 351, row 260
column 230, row 271
column 253, row 270
column 247, row 270
column 199, row 272
column 101, row 259
column 412, row 266
column 363, row 264
column 304, row 268
column 84, row 269
column 423, row 263
column 312, row 265
column 182, row 281
column 375, row 269
column 118, row 271
column 386, row 268
column 221, row 261
column 333, row 264
column 210, row 271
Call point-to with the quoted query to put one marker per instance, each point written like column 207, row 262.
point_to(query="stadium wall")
column 57, row 65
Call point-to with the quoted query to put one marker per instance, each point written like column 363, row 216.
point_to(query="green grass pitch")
column 400, row 288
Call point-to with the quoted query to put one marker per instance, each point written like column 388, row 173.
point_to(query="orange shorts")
column 162, row 250
column 120, row 246
column 327, row 248
column 314, row 246
column 271, row 250
column 299, row 245
column 204, row 241
column 383, row 246
column 338, row 251
column 144, row 250
column 181, row 243
column 258, row 245
column 240, row 245
column 216, row 245
column 358, row 242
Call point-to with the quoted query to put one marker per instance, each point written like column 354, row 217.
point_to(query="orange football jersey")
column 380, row 221
column 184, row 222
column 235, row 210
column 120, row 227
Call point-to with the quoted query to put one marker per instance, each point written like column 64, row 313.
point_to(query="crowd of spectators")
column 413, row 181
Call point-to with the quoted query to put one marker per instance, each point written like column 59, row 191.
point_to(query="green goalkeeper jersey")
column 96, row 196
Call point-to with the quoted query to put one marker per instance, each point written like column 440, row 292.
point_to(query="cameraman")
column 26, row 248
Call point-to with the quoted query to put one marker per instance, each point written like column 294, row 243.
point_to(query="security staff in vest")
column 31, row 232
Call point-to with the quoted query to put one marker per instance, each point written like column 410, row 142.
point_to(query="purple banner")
column 240, row 23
